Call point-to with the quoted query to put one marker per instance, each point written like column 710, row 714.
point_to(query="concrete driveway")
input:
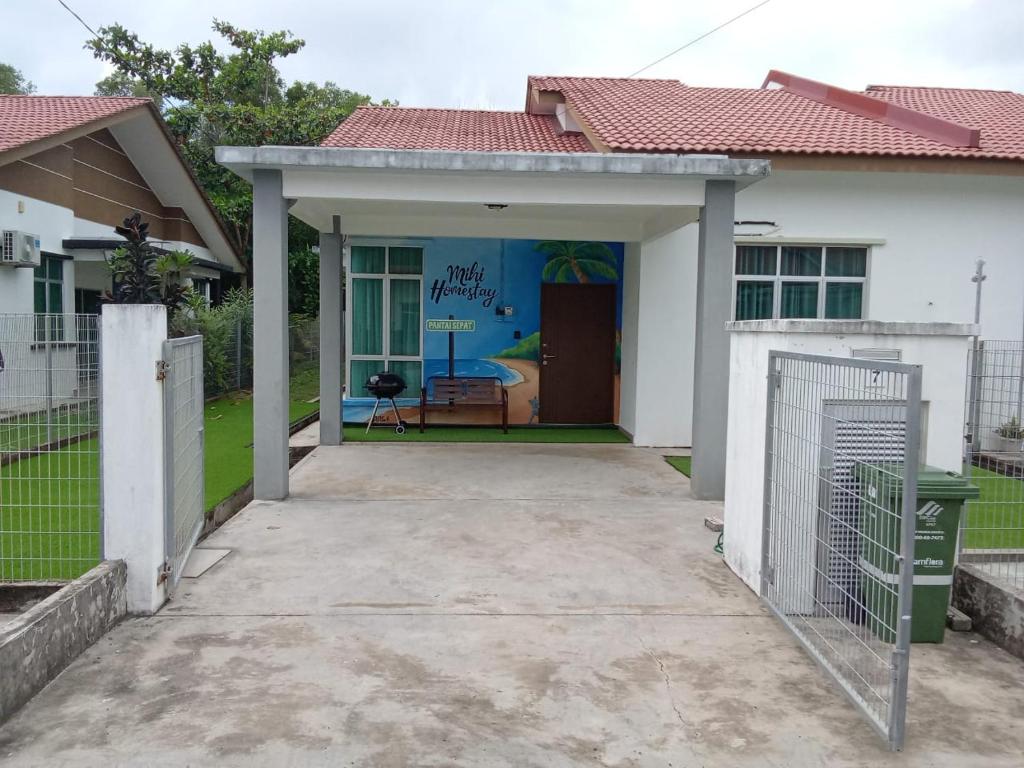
column 488, row 605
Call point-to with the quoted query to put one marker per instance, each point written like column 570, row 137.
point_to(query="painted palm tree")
column 567, row 258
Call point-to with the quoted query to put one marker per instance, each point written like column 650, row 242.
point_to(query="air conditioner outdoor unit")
column 19, row 249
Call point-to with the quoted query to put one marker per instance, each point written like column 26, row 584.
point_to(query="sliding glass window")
column 386, row 289
column 799, row 281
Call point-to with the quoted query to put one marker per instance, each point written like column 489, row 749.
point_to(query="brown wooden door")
column 577, row 367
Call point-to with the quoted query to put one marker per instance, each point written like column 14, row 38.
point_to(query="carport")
column 630, row 198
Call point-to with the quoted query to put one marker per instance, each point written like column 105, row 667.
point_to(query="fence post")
column 238, row 354
column 133, row 448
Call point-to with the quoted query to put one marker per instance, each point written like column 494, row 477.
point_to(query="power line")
column 80, row 20
column 697, row 39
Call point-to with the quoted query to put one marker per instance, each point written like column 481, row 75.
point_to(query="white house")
column 793, row 200
column 71, row 168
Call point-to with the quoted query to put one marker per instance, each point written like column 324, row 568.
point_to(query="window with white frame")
column 385, row 300
column 799, row 281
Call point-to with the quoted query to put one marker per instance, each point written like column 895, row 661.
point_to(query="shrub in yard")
column 144, row 276
column 227, row 338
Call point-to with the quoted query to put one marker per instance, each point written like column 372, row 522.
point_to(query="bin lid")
column 932, row 482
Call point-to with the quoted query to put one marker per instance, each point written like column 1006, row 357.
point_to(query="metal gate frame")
column 184, row 478
column 858, row 373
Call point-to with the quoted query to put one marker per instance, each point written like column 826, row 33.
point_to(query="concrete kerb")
column 996, row 611
column 37, row 645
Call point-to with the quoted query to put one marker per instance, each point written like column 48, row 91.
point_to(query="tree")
column 303, row 282
column 118, row 84
column 12, row 81
column 211, row 98
column 582, row 260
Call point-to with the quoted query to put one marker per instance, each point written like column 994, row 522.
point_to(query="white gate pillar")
column 330, row 336
column 270, row 336
column 132, row 445
column 711, row 357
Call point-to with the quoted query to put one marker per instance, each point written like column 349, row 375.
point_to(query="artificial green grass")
column 385, row 434
column 996, row 519
column 56, row 495
column 229, row 439
column 681, row 463
column 29, row 431
column 49, row 518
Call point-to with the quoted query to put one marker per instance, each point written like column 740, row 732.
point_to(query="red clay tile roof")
column 453, row 129
column 633, row 115
column 667, row 116
column 26, row 119
column 998, row 114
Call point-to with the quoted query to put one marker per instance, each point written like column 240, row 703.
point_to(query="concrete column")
column 330, row 336
column 711, row 356
column 133, row 448
column 270, row 339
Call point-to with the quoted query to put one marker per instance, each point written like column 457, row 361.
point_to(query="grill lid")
column 385, row 384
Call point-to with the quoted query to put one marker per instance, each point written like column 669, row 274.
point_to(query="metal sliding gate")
column 182, row 372
column 841, row 456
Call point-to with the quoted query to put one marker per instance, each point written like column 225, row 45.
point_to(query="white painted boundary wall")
column 940, row 348
column 133, row 448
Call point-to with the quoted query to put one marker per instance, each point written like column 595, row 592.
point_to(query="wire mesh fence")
column 992, row 532
column 304, row 358
column 840, row 495
column 228, row 352
column 50, row 497
column 184, row 449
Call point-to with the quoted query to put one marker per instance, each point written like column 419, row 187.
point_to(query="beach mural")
column 494, row 285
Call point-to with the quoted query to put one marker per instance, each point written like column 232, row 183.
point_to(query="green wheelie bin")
column 940, row 498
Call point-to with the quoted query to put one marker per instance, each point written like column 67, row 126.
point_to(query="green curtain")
column 367, row 316
column 412, row 372
column 405, row 261
column 753, row 300
column 846, row 262
column 799, row 300
column 801, row 260
column 755, row 259
column 405, row 318
column 844, row 301
column 368, row 259
column 361, row 371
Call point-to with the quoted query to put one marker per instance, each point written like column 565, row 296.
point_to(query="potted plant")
column 1010, row 436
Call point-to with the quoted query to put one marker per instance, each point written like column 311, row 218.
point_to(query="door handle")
column 548, row 357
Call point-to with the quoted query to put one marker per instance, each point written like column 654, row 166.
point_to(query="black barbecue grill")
column 386, row 386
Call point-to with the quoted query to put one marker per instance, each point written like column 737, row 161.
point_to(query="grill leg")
column 372, row 415
column 398, row 418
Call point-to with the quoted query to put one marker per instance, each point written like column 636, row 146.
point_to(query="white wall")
column 630, row 337
column 934, row 227
column 941, row 350
column 666, row 311
column 52, row 224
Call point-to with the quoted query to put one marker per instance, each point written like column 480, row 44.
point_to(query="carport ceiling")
column 624, row 197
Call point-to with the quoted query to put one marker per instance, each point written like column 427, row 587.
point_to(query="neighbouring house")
column 73, row 167
column 696, row 206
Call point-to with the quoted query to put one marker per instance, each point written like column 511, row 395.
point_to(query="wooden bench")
column 446, row 394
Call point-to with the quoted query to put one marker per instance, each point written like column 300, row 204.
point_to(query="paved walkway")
column 488, row 605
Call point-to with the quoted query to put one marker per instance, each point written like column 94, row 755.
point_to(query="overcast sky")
column 477, row 53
